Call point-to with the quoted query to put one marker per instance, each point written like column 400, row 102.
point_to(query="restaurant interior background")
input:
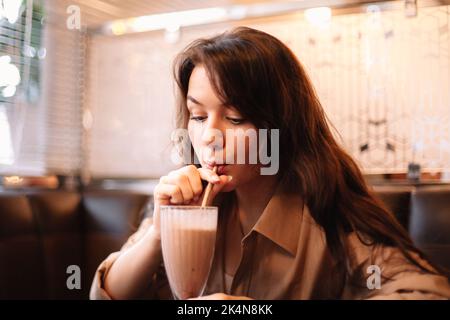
column 87, row 111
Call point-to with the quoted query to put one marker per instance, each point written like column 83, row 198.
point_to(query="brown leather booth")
column 44, row 232
column 429, row 223
column 425, row 212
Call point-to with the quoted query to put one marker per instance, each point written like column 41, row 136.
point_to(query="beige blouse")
column 285, row 256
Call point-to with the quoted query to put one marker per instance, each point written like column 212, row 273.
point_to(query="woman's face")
column 209, row 117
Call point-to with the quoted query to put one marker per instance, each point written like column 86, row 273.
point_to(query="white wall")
column 383, row 80
column 131, row 97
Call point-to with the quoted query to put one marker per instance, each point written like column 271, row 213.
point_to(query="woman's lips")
column 221, row 168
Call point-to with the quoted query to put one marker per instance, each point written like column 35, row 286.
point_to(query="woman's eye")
column 236, row 120
column 198, row 119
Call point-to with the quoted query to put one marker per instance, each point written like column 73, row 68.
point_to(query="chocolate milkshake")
column 188, row 236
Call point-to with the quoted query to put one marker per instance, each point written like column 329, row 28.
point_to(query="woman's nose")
column 213, row 132
column 213, row 137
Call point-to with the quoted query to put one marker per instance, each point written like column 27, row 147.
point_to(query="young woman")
column 313, row 230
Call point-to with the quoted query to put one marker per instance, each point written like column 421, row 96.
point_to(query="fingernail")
column 230, row 178
column 215, row 179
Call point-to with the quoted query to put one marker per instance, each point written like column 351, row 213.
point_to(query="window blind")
column 41, row 90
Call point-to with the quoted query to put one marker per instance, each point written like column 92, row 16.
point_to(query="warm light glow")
column 10, row 9
column 320, row 16
column 9, row 91
column 172, row 34
column 238, row 12
column 118, row 28
column 9, row 76
column 168, row 20
column 88, row 120
column 13, row 180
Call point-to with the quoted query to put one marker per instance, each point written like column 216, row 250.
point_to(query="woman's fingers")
column 185, row 185
column 209, row 175
column 188, row 179
column 195, row 180
column 182, row 181
column 170, row 192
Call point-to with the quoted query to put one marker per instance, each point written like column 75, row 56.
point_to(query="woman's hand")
column 184, row 187
column 221, row 296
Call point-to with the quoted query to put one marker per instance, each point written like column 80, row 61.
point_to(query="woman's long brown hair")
column 259, row 76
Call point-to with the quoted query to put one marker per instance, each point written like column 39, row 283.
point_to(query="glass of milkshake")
column 188, row 238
